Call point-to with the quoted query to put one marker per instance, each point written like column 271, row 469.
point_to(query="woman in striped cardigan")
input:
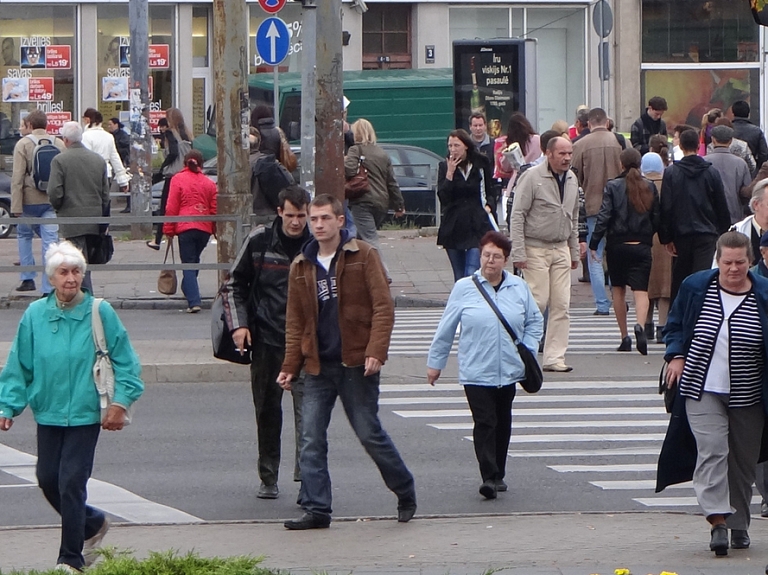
column 717, row 343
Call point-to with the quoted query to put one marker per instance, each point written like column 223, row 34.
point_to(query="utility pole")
column 230, row 73
column 308, row 87
column 329, row 166
column 141, row 135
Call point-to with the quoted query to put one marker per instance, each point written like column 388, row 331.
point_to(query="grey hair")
column 758, row 191
column 72, row 131
column 63, row 253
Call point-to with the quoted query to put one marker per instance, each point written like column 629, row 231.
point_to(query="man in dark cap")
column 733, row 171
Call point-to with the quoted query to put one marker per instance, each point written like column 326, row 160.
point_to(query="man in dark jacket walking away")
column 745, row 130
column 694, row 211
column 256, row 295
column 649, row 124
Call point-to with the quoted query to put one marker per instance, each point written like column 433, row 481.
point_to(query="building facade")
column 64, row 57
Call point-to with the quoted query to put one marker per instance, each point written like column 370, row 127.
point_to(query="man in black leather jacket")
column 745, row 130
column 694, row 211
column 256, row 295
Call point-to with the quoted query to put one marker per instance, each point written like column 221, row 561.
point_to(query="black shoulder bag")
column 533, row 375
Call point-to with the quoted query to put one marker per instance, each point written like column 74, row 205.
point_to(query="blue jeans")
column 191, row 245
column 463, row 262
column 349, row 221
column 596, row 273
column 360, row 398
column 64, row 464
column 49, row 233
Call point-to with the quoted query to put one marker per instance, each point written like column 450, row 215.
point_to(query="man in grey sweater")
column 733, row 171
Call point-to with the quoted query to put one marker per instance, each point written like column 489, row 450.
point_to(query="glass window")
column 694, row 31
column 485, row 23
column 114, row 53
column 200, row 37
column 387, row 36
column 692, row 93
column 37, row 68
column 292, row 16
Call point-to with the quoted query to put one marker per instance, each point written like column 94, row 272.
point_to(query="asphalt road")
column 192, row 446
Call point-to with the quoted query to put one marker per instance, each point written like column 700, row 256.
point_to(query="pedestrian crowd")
column 307, row 300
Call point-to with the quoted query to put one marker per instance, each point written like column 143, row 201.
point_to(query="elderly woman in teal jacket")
column 489, row 363
column 50, row 368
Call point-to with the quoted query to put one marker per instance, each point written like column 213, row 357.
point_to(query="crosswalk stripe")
column 560, row 424
column 585, row 437
column 678, row 501
column 635, row 485
column 547, row 453
column 548, row 412
column 604, row 468
column 422, row 386
column 525, row 399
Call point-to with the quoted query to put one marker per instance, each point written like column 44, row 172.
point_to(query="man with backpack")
column 32, row 158
column 268, row 178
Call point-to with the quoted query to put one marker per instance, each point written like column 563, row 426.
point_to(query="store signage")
column 58, row 57
column 158, row 55
column 273, row 40
column 27, row 89
column 40, row 89
column 272, row 6
column 57, row 119
column 154, row 119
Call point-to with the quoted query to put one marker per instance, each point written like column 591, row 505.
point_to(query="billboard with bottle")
column 494, row 78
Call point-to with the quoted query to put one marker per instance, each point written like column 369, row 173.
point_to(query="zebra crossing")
column 589, row 334
column 605, row 434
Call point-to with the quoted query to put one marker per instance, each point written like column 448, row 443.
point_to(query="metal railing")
column 240, row 235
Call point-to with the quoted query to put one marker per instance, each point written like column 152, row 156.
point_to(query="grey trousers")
column 368, row 221
column 728, row 443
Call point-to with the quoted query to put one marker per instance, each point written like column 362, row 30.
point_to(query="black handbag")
column 100, row 248
column 533, row 374
column 669, row 393
column 221, row 335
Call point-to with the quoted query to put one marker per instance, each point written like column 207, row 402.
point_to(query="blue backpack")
column 42, row 156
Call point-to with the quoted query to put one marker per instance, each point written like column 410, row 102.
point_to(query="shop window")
column 37, row 56
column 692, row 93
column 200, row 55
column 387, row 36
column 693, row 31
column 114, row 60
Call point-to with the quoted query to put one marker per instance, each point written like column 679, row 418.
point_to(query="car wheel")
column 5, row 212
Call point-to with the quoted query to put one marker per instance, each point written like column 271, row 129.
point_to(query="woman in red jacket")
column 192, row 193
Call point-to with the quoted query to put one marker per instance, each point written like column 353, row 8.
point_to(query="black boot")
column 660, row 334
column 648, row 329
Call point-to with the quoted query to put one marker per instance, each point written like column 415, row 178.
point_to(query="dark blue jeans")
column 191, row 245
column 360, row 397
column 463, row 262
column 64, row 464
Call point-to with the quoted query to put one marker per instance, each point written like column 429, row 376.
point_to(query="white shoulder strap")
column 34, row 138
column 98, row 328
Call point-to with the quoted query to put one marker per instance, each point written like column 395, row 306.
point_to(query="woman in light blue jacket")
column 50, row 368
column 489, row 364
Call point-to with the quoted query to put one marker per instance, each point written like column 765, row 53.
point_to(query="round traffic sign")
column 272, row 6
column 273, row 39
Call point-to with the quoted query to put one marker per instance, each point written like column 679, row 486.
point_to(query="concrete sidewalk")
column 521, row 544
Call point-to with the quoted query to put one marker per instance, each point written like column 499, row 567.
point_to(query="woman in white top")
column 98, row 140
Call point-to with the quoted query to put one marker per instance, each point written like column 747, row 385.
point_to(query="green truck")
column 412, row 107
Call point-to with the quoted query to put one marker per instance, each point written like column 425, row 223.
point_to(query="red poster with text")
column 154, row 118
column 40, row 89
column 58, row 57
column 158, row 55
column 57, row 119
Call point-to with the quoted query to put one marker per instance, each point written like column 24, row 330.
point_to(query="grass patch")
column 119, row 562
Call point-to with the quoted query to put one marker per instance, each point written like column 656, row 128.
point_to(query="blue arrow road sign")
column 273, row 39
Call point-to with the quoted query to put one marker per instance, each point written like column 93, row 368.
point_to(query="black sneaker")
column 488, row 489
column 27, row 285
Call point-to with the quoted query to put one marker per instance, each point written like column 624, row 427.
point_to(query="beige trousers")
column 548, row 274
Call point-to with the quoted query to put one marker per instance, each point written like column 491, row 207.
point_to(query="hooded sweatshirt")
column 692, row 201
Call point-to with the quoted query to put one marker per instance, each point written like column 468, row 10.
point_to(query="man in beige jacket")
column 29, row 202
column 545, row 244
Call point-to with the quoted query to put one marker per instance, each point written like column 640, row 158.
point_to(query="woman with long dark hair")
column 192, row 193
column 463, row 185
column 628, row 218
column 520, row 131
column 178, row 142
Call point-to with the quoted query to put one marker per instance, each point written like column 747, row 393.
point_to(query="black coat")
column 745, row 130
column 692, row 201
column 464, row 220
column 619, row 221
column 641, row 131
column 123, row 145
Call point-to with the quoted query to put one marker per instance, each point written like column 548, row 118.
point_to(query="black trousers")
column 267, row 402
column 694, row 254
column 161, row 212
column 491, row 409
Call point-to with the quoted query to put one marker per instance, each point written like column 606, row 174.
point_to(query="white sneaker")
column 91, row 545
column 64, row 568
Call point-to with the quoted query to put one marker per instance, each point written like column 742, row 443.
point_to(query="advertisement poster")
column 57, row 119
column 154, row 118
column 33, row 56
column 15, row 89
column 58, row 57
column 690, row 94
column 114, row 89
column 487, row 79
column 40, row 89
column 158, row 55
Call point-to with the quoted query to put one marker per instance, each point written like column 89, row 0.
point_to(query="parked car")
column 5, row 204
column 415, row 171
